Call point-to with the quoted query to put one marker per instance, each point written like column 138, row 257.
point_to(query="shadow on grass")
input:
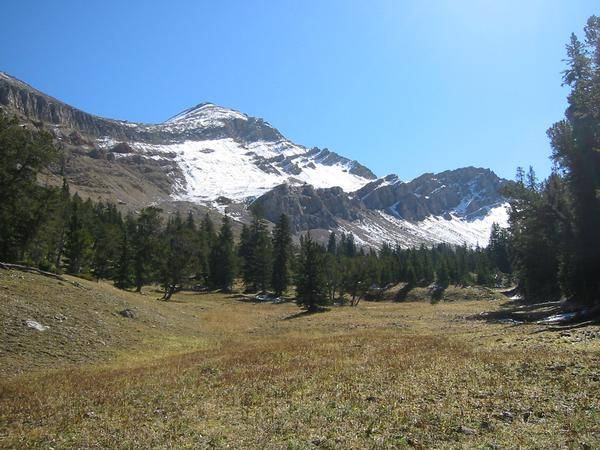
column 437, row 294
column 305, row 313
column 403, row 293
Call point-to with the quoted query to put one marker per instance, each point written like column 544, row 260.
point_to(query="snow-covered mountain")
column 456, row 206
column 224, row 153
column 224, row 159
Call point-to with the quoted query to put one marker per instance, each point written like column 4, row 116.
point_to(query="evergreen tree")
column 282, row 255
column 24, row 203
column 106, row 231
column 145, row 245
column 77, row 249
column 123, row 270
column 178, row 251
column 575, row 142
column 206, row 242
column 332, row 244
column 245, row 255
column 411, row 275
column 310, row 280
column 255, row 249
column 442, row 275
column 222, row 261
column 498, row 248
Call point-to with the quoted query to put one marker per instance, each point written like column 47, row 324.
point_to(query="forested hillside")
column 51, row 229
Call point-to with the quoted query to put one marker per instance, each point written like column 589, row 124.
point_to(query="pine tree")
column 23, row 203
column 282, row 255
column 498, row 248
column 77, row 249
column 61, row 218
column 255, row 249
column 262, row 254
column 123, row 270
column 245, row 255
column 222, row 261
column 411, row 275
column 310, row 281
column 575, row 142
column 442, row 274
column 178, row 250
column 106, row 233
column 145, row 245
column 332, row 244
column 206, row 242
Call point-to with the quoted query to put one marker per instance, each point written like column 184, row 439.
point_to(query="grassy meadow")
column 218, row 370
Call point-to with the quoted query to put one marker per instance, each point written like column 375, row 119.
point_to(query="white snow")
column 205, row 115
column 238, row 170
column 432, row 230
column 557, row 318
column 224, row 167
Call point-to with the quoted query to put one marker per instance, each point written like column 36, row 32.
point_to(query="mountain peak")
column 206, row 114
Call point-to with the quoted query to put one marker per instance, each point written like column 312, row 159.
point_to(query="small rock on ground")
column 34, row 325
column 129, row 313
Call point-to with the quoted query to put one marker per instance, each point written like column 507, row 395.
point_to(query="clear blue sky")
column 405, row 87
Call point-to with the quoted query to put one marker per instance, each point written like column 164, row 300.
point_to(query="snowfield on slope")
column 224, row 167
column 385, row 228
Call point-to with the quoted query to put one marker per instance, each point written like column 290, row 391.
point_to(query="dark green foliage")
column 282, row 255
column 535, row 237
column 355, row 280
column 106, row 235
column 576, row 151
column 222, row 259
column 256, row 252
column 442, row 274
column 332, row 244
column 25, row 205
column 205, row 242
column 145, row 244
column 498, row 249
column 554, row 239
column 123, row 270
column 177, row 250
column 79, row 240
column 311, row 291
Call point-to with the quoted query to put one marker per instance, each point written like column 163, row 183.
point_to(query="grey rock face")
column 329, row 158
column 308, row 207
column 468, row 192
column 17, row 96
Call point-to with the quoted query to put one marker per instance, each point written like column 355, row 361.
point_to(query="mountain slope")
column 457, row 207
column 224, row 160
column 210, row 151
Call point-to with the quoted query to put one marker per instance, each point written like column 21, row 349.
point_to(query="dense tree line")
column 53, row 229
column 555, row 224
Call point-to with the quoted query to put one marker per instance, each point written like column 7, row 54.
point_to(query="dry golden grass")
column 213, row 371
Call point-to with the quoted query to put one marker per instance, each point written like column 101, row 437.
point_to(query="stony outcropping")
column 467, row 192
column 309, row 208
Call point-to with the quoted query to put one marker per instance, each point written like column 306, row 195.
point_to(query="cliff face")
column 30, row 104
column 466, row 192
column 309, row 208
